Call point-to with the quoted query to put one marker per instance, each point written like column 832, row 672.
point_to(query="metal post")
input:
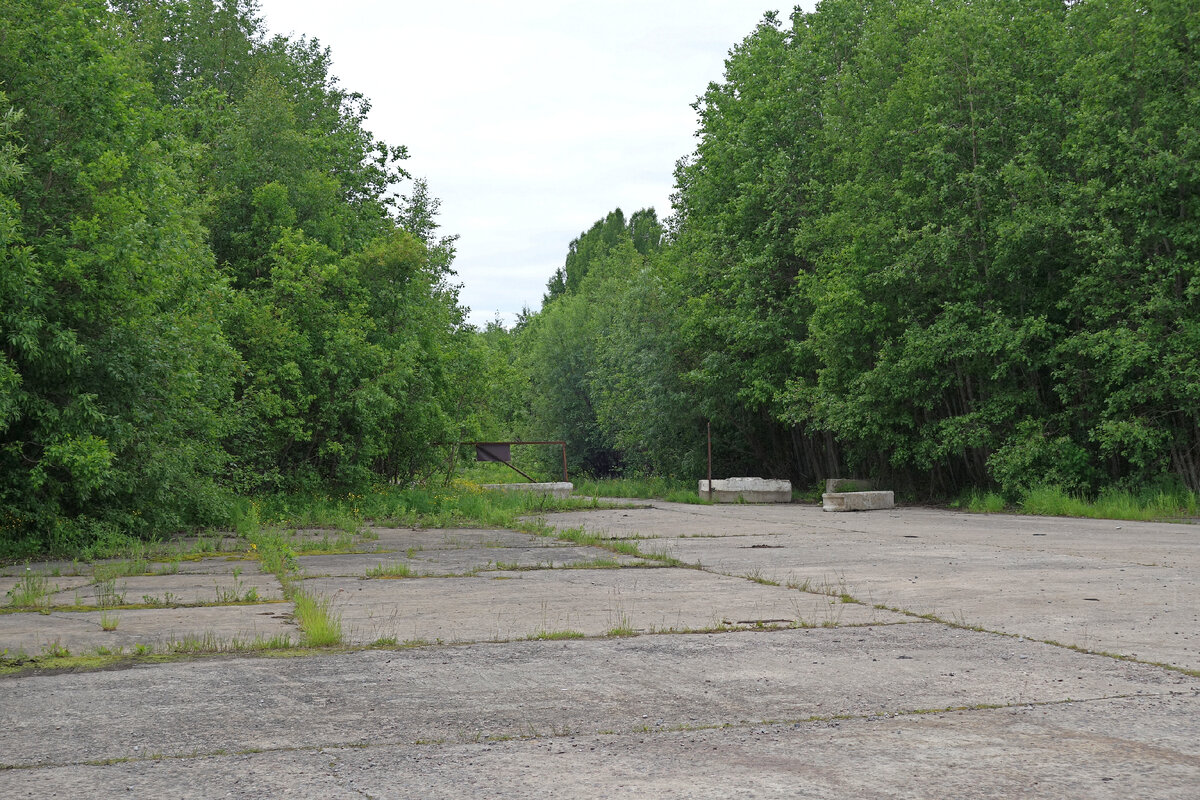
column 710, row 461
column 564, row 449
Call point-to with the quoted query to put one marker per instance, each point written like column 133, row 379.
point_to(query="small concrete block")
column 560, row 489
column 857, row 501
column 849, row 485
column 748, row 490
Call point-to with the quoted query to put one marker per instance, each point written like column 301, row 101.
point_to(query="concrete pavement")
column 782, row 655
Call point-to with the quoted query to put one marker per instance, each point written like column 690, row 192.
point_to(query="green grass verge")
column 673, row 489
column 1052, row 501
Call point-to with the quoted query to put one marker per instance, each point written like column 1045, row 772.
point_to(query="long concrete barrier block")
column 748, row 490
column 857, row 501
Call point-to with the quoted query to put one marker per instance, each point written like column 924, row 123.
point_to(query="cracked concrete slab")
column 401, row 539
column 187, row 588
column 1128, row 588
column 628, row 696
column 878, row 705
column 1029, row 752
column 458, row 561
column 55, row 587
column 516, row 605
column 81, row 633
column 218, row 565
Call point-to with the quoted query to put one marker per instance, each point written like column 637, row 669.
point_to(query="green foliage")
column 208, row 284
column 320, row 625
column 947, row 245
column 600, row 356
column 461, row 503
column 984, row 502
column 1110, row 504
column 950, row 245
column 641, row 488
column 115, row 369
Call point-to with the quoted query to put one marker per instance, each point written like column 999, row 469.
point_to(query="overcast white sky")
column 530, row 119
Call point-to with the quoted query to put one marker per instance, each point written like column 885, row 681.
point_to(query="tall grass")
column 461, row 503
column 1110, row 504
column 983, row 502
column 321, row 626
column 673, row 489
column 1051, row 501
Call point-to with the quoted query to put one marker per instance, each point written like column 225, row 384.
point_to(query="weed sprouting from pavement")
column 756, row 576
column 55, row 650
column 555, row 635
column 238, row 593
column 107, row 595
column 321, row 626
column 623, row 627
column 32, row 590
column 396, row 569
column 206, row 642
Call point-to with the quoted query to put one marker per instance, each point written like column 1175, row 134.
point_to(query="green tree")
column 116, row 371
column 1127, row 369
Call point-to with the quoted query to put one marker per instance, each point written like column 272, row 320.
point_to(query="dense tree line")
column 950, row 244
column 207, row 281
column 954, row 244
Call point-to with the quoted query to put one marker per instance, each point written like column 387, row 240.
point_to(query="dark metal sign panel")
column 493, row 452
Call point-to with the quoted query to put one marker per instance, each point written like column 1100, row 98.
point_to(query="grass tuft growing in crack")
column 30, row 591
column 397, row 569
column 625, row 547
column 555, row 635
column 321, row 626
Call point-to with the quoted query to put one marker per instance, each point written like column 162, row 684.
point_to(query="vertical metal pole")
column 564, row 447
column 710, row 461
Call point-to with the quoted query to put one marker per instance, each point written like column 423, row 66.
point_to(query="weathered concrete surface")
column 606, row 708
column 418, row 539
column 857, row 501
column 497, row 606
column 1040, row 752
column 1122, row 587
column 1128, row 588
column 864, row 708
column 747, row 490
column 80, row 631
column 545, row 553
column 185, row 587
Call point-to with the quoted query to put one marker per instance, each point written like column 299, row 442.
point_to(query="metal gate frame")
column 477, row 445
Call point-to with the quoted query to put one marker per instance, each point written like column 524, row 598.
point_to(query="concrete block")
column 857, row 501
column 849, row 485
column 560, row 489
column 748, row 490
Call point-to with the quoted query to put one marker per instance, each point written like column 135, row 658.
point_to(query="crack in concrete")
column 566, row 733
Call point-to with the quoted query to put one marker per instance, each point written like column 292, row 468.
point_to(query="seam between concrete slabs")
column 551, row 735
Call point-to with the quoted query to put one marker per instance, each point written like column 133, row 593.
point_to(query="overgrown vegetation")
column 948, row 245
column 320, row 625
column 1147, row 505
column 210, row 283
column 643, row 488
